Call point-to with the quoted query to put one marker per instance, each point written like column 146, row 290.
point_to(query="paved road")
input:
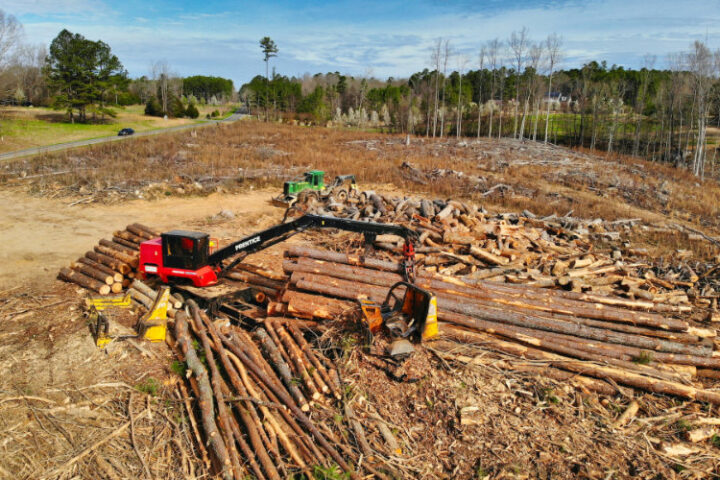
column 81, row 143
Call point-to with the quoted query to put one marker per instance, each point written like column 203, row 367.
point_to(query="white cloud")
column 619, row 31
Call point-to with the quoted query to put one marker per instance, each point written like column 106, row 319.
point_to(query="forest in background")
column 516, row 88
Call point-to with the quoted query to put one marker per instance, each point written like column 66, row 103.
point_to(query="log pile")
column 462, row 240
column 603, row 341
column 112, row 264
column 251, row 400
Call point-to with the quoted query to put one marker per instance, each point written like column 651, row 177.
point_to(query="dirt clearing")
column 39, row 235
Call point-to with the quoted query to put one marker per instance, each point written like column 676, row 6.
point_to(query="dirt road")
column 39, row 235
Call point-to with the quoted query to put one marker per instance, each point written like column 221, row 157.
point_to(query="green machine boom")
column 311, row 186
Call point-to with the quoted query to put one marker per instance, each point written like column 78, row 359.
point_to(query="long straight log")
column 119, row 247
column 539, row 299
column 250, row 425
column 263, row 272
column 387, row 279
column 84, row 281
column 554, row 344
column 141, row 298
column 561, row 306
column 300, row 358
column 142, row 231
column 205, row 401
column 293, row 358
column 123, row 257
column 126, row 243
column 318, row 254
column 253, row 279
column 298, row 457
column 570, row 328
column 351, row 290
column 286, row 398
column 238, row 436
column 305, row 443
column 117, row 276
column 314, row 306
column 114, row 263
column 93, row 273
column 587, row 368
column 282, row 368
column 310, row 352
column 227, row 425
column 358, row 260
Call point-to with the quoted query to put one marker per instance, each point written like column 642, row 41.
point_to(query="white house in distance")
column 558, row 101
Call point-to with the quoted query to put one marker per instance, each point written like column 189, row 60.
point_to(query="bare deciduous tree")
column 10, row 36
column 493, row 49
column 648, row 63
column 462, row 63
column 481, row 66
column 702, row 65
column 534, row 55
column 446, row 51
column 553, row 43
column 518, row 44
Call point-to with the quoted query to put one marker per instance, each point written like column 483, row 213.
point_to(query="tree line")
column 516, row 88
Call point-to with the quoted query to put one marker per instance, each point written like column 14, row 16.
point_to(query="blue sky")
column 374, row 37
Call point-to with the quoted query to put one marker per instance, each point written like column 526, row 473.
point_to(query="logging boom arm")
column 186, row 254
column 282, row 232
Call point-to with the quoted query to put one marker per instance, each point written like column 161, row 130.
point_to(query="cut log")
column 115, row 264
column 94, row 273
column 131, row 237
column 123, row 257
column 282, row 368
column 84, row 281
column 132, row 252
column 117, row 276
column 315, row 306
column 205, row 402
column 618, row 375
column 143, row 231
column 126, row 243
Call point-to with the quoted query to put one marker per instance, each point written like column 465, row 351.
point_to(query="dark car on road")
column 125, row 132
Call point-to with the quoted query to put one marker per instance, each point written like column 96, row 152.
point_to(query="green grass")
column 149, row 386
column 22, row 128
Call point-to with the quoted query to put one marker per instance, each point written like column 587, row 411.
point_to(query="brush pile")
column 112, row 264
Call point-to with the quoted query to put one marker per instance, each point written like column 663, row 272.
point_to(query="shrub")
column 153, row 108
column 191, row 111
column 175, row 107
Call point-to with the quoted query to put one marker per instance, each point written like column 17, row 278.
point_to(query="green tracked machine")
column 311, row 187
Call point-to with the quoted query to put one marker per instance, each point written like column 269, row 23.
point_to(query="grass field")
column 23, row 127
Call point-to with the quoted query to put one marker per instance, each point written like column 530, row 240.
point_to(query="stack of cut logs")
column 254, row 393
column 459, row 239
column 613, row 340
column 112, row 264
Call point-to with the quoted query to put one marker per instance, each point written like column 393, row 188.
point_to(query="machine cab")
column 185, row 250
column 315, row 178
column 179, row 254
